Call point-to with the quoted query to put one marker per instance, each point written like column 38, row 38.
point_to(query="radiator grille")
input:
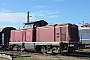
column 63, row 33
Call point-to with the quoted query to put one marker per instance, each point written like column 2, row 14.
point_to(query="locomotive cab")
column 35, row 24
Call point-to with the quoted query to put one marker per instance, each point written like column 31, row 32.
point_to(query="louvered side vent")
column 63, row 33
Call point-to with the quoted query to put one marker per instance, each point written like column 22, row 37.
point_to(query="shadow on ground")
column 77, row 54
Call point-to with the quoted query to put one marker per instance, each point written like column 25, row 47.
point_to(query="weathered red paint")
column 44, row 34
column 57, row 34
column 24, row 35
column 12, row 36
column 53, row 34
column 18, row 36
column 29, row 36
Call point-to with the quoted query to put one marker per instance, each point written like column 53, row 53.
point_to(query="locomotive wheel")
column 59, row 50
column 52, row 51
column 68, row 49
column 43, row 50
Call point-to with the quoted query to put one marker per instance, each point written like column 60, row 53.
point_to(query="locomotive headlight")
column 71, row 45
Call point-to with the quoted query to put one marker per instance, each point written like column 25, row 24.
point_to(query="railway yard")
column 48, row 42
column 23, row 55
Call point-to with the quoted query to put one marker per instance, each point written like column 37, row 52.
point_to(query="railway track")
column 14, row 54
column 5, row 56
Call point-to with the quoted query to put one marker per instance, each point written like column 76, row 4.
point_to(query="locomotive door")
column 63, row 33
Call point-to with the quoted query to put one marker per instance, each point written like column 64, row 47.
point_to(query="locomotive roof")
column 63, row 24
column 6, row 28
column 36, row 22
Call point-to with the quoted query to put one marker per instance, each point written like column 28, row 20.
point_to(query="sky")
column 14, row 12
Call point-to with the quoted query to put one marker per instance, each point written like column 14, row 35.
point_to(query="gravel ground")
column 79, row 55
column 57, row 57
column 1, row 58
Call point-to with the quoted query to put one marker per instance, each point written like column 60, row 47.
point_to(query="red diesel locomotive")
column 41, row 38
